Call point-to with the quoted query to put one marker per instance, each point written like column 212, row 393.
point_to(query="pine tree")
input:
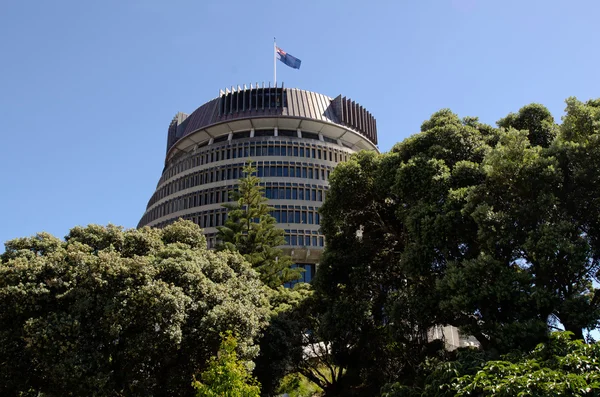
column 250, row 230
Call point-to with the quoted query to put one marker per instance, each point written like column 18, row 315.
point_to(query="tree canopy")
column 121, row 312
column 492, row 230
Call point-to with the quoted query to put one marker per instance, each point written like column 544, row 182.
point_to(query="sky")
column 88, row 89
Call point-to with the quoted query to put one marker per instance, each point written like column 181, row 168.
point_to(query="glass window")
column 295, row 193
column 300, row 240
column 301, row 194
column 296, row 151
column 304, row 217
column 284, row 217
column 310, row 218
column 314, row 241
column 288, row 193
column 294, row 239
column 296, row 216
column 301, row 152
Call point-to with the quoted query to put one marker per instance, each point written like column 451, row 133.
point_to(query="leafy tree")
column 121, row 312
column 537, row 120
column 226, row 375
column 250, row 230
column 392, row 224
column 561, row 367
column 281, row 345
column 491, row 230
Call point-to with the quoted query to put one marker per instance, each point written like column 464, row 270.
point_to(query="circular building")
column 294, row 137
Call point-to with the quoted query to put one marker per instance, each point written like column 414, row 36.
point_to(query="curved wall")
column 294, row 153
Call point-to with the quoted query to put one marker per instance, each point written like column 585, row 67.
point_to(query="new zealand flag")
column 289, row 60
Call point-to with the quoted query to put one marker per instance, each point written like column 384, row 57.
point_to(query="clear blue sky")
column 87, row 89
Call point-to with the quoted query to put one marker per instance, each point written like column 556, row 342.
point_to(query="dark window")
column 240, row 135
column 290, row 133
column 310, row 135
column 264, row 133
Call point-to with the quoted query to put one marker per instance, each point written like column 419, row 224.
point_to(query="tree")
column 392, row 222
column 226, row 375
column 494, row 231
column 250, row 230
column 537, row 120
column 121, row 312
column 560, row 367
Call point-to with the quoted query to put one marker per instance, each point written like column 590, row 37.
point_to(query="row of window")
column 288, row 169
column 282, row 214
column 221, row 194
column 293, row 237
column 256, row 149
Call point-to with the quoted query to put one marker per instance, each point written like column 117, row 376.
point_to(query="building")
column 295, row 139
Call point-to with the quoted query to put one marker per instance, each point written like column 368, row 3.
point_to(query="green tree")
column 560, row 367
column 491, row 230
column 537, row 120
column 121, row 312
column 250, row 230
column 226, row 375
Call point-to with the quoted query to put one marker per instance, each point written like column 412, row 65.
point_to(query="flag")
column 286, row 58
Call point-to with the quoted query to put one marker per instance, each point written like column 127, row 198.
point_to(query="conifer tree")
column 250, row 230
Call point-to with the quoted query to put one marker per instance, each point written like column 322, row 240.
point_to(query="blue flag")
column 289, row 60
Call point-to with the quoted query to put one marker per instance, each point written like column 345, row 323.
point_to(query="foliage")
column 561, row 367
column 495, row 231
column 226, row 375
column 297, row 385
column 250, row 230
column 121, row 312
column 281, row 343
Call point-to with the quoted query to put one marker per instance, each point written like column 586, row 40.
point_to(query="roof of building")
column 261, row 102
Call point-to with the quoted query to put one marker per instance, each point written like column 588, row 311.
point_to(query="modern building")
column 294, row 137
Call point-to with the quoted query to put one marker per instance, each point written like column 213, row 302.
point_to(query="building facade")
column 294, row 137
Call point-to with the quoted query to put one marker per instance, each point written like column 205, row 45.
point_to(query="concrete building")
column 295, row 139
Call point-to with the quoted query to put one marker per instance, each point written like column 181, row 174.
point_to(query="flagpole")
column 274, row 62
